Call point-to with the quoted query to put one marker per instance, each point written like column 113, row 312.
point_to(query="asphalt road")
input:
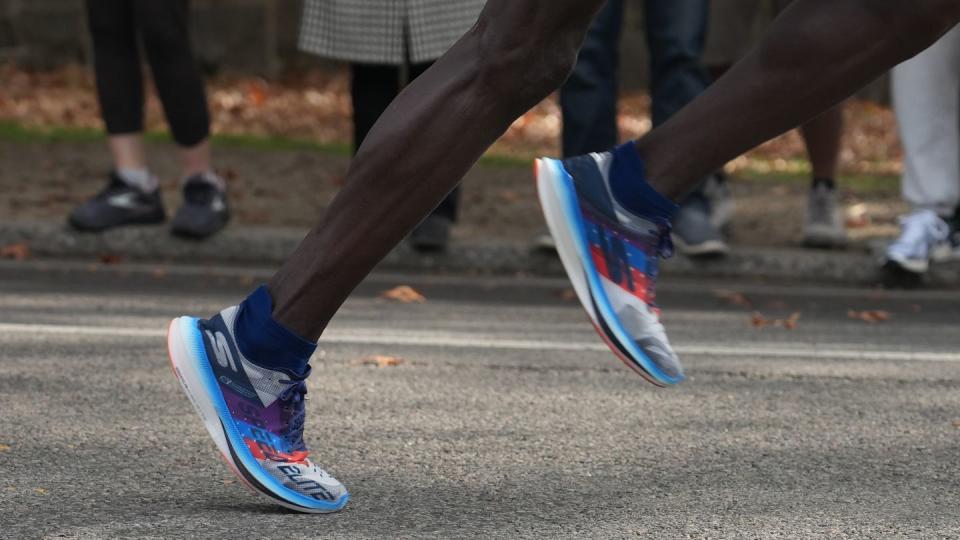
column 506, row 418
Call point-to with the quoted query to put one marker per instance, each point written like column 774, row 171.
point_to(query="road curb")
column 265, row 246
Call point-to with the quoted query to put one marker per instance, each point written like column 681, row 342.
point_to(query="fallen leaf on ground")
column 107, row 258
column 872, row 317
column 956, row 424
column 158, row 273
column 858, row 216
column 17, row 252
column 733, row 298
column 758, row 320
column 792, row 320
column 380, row 361
column 568, row 295
column 508, row 195
column 404, row 295
column 4, row 447
column 39, row 491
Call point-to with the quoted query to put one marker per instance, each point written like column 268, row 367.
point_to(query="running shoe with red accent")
column 611, row 256
column 254, row 415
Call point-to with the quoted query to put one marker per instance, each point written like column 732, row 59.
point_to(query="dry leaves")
column 567, row 295
column 757, row 320
column 381, row 361
column 4, row 447
column 733, row 298
column 108, row 258
column 872, row 317
column 17, row 252
column 956, row 424
column 40, row 491
column 404, row 295
column 315, row 105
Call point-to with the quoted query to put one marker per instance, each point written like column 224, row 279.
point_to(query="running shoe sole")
column 188, row 358
column 558, row 199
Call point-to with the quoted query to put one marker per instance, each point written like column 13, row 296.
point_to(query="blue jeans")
column 676, row 31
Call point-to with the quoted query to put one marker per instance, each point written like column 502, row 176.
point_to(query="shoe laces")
column 923, row 227
column 664, row 231
column 822, row 205
column 293, row 401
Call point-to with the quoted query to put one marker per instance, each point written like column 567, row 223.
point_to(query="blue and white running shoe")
column 611, row 256
column 254, row 415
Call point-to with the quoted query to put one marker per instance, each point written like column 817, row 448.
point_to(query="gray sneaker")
column 694, row 233
column 722, row 207
column 824, row 226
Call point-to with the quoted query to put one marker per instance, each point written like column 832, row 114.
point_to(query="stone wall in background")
column 258, row 36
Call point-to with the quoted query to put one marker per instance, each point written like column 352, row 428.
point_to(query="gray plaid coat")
column 373, row 31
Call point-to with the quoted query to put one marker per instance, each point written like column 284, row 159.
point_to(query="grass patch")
column 15, row 132
column 799, row 172
column 759, row 171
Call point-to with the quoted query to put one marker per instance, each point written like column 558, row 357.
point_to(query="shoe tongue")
column 294, row 401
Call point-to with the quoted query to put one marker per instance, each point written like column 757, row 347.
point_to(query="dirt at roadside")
column 42, row 181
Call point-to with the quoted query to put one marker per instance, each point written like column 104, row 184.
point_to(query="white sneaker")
column 922, row 234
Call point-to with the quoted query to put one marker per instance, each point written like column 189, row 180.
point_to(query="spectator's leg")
column 164, row 27
column 676, row 33
column 588, row 100
column 131, row 195
column 926, row 92
column 824, row 225
column 372, row 88
column 823, row 136
column 116, row 60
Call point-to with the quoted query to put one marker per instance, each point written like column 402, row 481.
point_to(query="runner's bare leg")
column 817, row 54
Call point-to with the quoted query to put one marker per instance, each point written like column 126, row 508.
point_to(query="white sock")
column 140, row 179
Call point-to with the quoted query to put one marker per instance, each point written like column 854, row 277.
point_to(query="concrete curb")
column 264, row 246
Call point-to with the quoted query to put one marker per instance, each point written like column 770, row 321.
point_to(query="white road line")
column 835, row 351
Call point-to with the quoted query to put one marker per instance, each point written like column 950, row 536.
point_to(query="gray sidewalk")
column 265, row 246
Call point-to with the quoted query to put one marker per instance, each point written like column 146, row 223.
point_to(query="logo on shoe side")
column 222, row 350
column 123, row 200
column 310, row 487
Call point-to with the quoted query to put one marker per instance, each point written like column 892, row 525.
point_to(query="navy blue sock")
column 628, row 182
column 267, row 343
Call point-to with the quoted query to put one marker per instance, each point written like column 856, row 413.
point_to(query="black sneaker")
column 204, row 211
column 116, row 205
column 431, row 235
column 694, row 233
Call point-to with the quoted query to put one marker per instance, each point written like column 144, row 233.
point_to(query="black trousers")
column 118, row 27
column 373, row 88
